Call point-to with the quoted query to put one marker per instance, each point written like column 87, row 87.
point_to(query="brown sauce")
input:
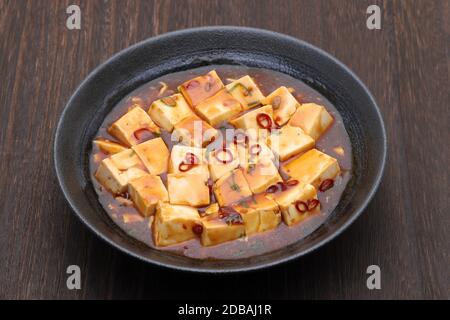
column 267, row 80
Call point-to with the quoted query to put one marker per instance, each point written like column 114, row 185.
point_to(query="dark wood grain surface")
column 405, row 230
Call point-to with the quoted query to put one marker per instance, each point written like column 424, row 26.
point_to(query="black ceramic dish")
column 191, row 48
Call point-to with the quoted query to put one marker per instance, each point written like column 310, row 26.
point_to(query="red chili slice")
column 197, row 229
column 191, row 158
column 240, row 138
column 291, row 183
column 272, row 189
column 264, row 120
column 183, row 166
column 143, row 134
column 301, row 206
column 252, row 150
column 282, row 186
column 228, row 156
column 312, row 204
column 190, row 161
column 326, row 184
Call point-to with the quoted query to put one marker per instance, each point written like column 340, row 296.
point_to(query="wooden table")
column 405, row 230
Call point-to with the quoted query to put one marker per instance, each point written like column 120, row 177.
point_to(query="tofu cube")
column 222, row 161
column 174, row 224
column 132, row 126
column 179, row 154
column 218, row 108
column 270, row 216
column 154, row 154
column 168, row 111
column 188, row 189
column 200, row 88
column 146, row 191
column 246, row 92
column 231, row 188
column 283, row 103
column 193, row 131
column 289, row 141
column 109, row 147
column 314, row 119
column 259, row 212
column 261, row 175
column 115, row 172
column 288, row 199
column 218, row 229
column 253, row 153
column 312, row 167
column 248, row 121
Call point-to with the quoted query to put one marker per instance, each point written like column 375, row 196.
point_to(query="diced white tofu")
column 218, row 228
column 261, row 175
column 180, row 154
column 146, row 191
column 109, row 147
column 295, row 198
column 253, row 153
column 193, row 131
column 188, row 189
column 174, row 224
column 248, row 121
column 250, row 217
column 133, row 127
column 167, row 112
column 259, row 212
column 222, row 161
column 283, row 103
column 231, row 188
column 246, row 92
column 115, row 172
column 289, row 141
column 269, row 215
column 154, row 154
column 127, row 159
column 312, row 167
column 200, row 88
column 218, row 108
column 314, row 119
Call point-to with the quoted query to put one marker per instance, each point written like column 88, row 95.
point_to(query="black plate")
column 190, row 48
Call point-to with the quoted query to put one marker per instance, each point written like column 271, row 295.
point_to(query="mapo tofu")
column 221, row 162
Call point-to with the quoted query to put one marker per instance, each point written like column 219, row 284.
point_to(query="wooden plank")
column 423, row 83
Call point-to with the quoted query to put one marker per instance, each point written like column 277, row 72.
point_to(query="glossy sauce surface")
column 129, row 219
